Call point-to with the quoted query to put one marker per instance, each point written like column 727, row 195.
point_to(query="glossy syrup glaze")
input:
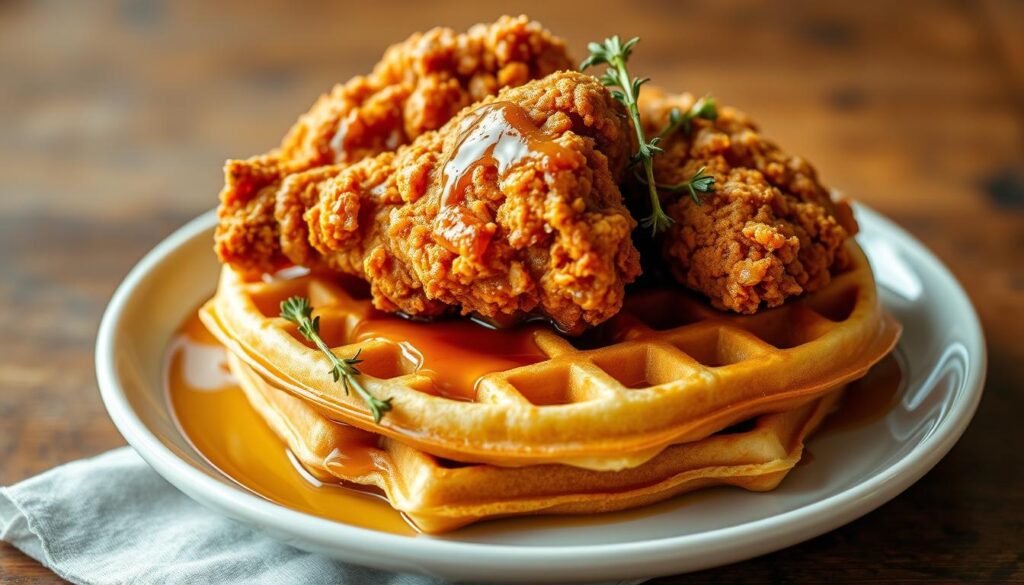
column 498, row 135
column 454, row 353
column 222, row 426
column 216, row 417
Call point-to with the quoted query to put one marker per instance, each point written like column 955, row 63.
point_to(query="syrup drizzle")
column 225, row 429
column 455, row 354
column 497, row 135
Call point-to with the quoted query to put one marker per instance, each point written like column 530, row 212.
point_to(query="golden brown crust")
column 770, row 231
column 550, row 235
column 419, row 85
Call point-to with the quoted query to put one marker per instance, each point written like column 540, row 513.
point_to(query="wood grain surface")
column 116, row 117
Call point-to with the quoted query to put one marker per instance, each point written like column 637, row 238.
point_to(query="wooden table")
column 116, row 118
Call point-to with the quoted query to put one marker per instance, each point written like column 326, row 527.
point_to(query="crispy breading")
column 548, row 235
column 418, row 86
column 769, row 232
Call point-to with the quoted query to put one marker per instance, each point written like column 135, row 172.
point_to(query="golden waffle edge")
column 439, row 496
column 702, row 371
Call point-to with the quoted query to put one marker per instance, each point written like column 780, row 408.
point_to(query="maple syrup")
column 497, row 135
column 215, row 416
column 454, row 353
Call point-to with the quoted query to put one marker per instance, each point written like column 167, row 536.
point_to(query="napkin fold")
column 112, row 520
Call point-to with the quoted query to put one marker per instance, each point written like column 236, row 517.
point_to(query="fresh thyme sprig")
column 698, row 184
column 298, row 311
column 615, row 53
column 704, row 108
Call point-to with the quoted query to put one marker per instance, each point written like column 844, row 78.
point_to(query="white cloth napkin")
column 112, row 520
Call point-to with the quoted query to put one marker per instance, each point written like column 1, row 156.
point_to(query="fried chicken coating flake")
column 769, row 232
column 534, row 225
column 417, row 87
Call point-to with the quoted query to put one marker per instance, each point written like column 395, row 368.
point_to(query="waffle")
column 439, row 495
column 668, row 369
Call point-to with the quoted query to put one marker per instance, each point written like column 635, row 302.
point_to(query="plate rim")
column 610, row 560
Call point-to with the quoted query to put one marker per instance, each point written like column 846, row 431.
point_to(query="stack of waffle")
column 667, row 397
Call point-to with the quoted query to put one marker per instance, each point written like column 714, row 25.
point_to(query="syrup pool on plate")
column 218, row 420
column 214, row 414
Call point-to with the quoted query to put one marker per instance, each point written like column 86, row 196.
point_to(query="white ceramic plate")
column 854, row 471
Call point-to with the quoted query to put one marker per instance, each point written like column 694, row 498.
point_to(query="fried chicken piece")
column 419, row 85
column 510, row 209
column 769, row 232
